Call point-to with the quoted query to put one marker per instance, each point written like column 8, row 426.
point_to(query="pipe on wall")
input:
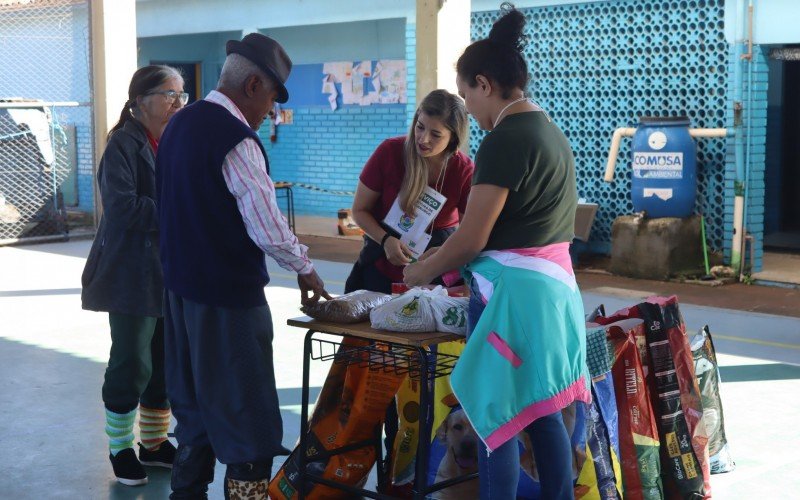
column 621, row 132
column 738, row 185
column 748, row 142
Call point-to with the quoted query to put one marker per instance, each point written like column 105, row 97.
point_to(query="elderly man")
column 218, row 218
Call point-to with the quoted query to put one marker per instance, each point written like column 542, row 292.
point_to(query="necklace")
column 500, row 115
column 439, row 186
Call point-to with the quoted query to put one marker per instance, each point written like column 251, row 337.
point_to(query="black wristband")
column 383, row 240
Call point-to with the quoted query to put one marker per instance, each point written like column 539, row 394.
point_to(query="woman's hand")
column 416, row 274
column 397, row 252
column 429, row 252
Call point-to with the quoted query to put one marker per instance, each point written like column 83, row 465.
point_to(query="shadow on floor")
column 51, row 430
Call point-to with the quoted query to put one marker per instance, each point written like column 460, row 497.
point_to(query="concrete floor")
column 780, row 268
column 52, row 357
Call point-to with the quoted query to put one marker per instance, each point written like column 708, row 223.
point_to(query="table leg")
column 425, row 424
column 302, row 449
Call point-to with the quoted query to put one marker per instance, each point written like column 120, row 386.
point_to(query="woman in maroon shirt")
column 399, row 170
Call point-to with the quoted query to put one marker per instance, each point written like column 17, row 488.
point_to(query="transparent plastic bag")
column 352, row 307
column 706, row 369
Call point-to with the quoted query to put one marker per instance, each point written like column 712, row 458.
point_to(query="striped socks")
column 119, row 429
column 154, row 425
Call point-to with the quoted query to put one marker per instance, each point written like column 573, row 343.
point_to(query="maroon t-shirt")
column 384, row 172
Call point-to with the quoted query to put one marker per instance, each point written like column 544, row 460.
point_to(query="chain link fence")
column 46, row 138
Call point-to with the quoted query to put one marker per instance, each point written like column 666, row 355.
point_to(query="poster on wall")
column 392, row 75
column 365, row 83
column 340, row 70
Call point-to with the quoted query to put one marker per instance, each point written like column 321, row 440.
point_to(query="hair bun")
column 509, row 28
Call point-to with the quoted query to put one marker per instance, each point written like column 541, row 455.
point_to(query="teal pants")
column 135, row 372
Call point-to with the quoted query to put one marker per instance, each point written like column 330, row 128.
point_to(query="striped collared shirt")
column 245, row 174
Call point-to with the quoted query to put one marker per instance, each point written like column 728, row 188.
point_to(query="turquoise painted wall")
column 357, row 41
column 754, row 119
column 774, row 21
column 322, row 147
column 207, row 49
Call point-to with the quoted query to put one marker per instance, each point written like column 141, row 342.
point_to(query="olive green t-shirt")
column 529, row 155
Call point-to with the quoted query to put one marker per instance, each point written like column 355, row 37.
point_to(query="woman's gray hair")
column 237, row 69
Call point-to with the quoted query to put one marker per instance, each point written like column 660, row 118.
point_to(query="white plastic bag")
column 422, row 310
column 450, row 314
column 410, row 312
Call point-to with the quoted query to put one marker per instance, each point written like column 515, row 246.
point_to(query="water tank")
column 664, row 182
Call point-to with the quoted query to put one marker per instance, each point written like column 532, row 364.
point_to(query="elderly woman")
column 123, row 275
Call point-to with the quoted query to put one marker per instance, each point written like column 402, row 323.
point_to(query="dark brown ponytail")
column 500, row 56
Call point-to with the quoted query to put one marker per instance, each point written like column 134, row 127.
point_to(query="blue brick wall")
column 754, row 119
column 85, row 167
column 328, row 149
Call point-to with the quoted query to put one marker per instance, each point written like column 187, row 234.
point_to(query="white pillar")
column 442, row 35
column 113, row 37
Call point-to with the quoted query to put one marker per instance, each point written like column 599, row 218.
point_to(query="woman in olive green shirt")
column 523, row 201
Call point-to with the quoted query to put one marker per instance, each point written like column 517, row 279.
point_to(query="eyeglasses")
column 171, row 96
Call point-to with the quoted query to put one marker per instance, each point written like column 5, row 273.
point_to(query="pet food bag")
column 422, row 310
column 352, row 307
column 638, row 432
column 453, row 449
column 350, row 408
column 707, row 371
column 597, row 448
column 675, row 397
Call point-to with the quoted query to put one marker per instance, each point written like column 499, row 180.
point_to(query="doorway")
column 782, row 179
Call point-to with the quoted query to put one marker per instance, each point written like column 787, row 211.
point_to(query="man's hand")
column 311, row 282
column 397, row 252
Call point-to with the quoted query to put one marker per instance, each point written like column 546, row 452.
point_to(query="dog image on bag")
column 461, row 457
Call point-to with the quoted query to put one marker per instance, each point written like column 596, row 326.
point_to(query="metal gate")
column 46, row 142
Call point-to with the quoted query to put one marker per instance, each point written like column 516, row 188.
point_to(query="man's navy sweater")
column 206, row 253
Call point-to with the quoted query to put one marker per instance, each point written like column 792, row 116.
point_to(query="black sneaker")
column 163, row 456
column 127, row 468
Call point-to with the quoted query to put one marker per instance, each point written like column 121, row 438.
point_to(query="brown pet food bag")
column 350, row 408
column 675, row 397
column 638, row 432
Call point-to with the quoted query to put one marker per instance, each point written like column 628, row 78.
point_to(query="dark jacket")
column 123, row 271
